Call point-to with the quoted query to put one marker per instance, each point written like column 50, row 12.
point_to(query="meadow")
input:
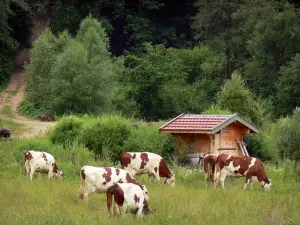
column 190, row 202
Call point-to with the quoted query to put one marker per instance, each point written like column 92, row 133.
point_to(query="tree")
column 270, row 33
column 71, row 74
column 288, row 138
column 213, row 24
column 165, row 81
column 237, row 98
column 8, row 43
column 288, row 89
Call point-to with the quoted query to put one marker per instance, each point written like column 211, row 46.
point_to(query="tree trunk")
column 295, row 169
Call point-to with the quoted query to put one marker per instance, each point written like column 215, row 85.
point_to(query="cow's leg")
column 206, row 178
column 116, row 209
column 140, row 212
column 150, row 176
column 223, row 178
column 123, row 210
column 157, row 177
column 27, row 168
column 216, row 179
column 50, row 173
column 31, row 174
column 248, row 180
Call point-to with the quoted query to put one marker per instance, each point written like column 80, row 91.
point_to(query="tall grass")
column 54, row 202
column 190, row 202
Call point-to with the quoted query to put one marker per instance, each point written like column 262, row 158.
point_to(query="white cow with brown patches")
column 99, row 179
column 250, row 167
column 147, row 163
column 36, row 161
column 127, row 197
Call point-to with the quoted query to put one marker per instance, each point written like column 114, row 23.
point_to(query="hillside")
column 11, row 97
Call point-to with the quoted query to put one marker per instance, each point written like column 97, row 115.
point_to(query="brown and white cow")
column 209, row 162
column 99, row 179
column 147, row 163
column 36, row 161
column 250, row 167
column 127, row 197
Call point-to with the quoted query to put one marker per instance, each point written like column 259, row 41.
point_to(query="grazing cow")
column 209, row 166
column 99, row 179
column 147, row 163
column 247, row 166
column 36, row 161
column 5, row 133
column 127, row 197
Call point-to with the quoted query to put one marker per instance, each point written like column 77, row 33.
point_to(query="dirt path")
column 10, row 100
column 12, row 96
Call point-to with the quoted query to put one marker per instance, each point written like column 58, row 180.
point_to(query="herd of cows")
column 125, row 194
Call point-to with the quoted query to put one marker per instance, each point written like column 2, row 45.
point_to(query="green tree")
column 8, row 43
column 271, row 34
column 166, row 81
column 213, row 24
column 288, row 138
column 43, row 57
column 236, row 97
column 288, row 89
column 71, row 74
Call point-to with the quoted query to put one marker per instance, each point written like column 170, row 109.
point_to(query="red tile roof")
column 201, row 123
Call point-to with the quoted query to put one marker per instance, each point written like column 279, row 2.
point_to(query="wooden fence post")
column 73, row 162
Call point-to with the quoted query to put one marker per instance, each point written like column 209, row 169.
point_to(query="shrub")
column 108, row 133
column 66, row 131
column 147, row 139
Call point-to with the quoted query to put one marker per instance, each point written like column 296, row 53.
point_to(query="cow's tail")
column 81, row 189
column 110, row 199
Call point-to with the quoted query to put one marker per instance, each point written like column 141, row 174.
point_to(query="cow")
column 5, row 133
column 147, row 163
column 36, row 161
column 250, row 167
column 99, row 179
column 209, row 167
column 127, row 197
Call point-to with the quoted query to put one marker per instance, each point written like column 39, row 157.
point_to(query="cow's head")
column 56, row 171
column 171, row 180
column 267, row 185
column 145, row 191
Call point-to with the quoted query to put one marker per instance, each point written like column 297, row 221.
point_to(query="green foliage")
column 288, row 90
column 216, row 109
column 71, row 17
column 273, row 35
column 237, row 98
column 79, row 69
column 145, row 138
column 264, row 144
column 165, row 82
column 288, row 133
column 28, row 109
column 66, row 131
column 106, row 135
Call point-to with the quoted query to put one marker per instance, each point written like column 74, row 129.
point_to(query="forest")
column 152, row 60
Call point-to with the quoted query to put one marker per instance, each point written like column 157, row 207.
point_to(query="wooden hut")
column 200, row 134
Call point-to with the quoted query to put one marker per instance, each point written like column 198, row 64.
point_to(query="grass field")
column 54, row 202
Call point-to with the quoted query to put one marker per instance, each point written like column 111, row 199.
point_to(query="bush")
column 146, row 138
column 66, row 131
column 107, row 133
column 28, row 109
